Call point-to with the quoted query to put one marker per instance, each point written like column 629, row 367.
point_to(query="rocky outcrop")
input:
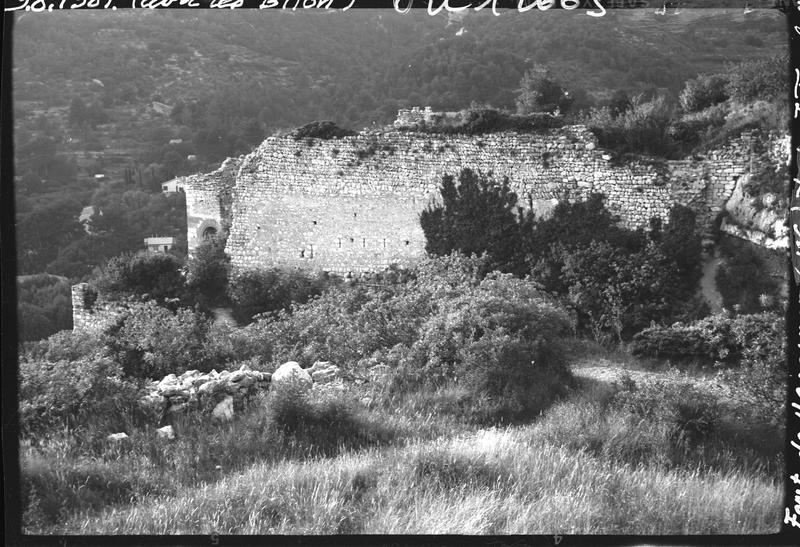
column 760, row 220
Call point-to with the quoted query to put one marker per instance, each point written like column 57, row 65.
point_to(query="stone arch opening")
column 209, row 232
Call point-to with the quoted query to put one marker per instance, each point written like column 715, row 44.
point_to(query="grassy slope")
column 585, row 467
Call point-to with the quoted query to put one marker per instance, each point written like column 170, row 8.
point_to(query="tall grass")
column 499, row 481
column 586, row 466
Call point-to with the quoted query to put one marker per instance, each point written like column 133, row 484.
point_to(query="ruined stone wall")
column 90, row 313
column 352, row 204
column 208, row 201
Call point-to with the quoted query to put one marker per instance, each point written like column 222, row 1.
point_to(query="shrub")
column 157, row 276
column 259, row 291
column 207, row 272
column 740, row 340
column 63, row 346
column 695, row 130
column 759, row 79
column 496, row 337
column 87, row 392
column 704, row 91
column 743, row 277
column 641, row 129
column 150, row 341
column 762, row 374
column 756, row 115
column 500, row 345
column 322, row 423
column 321, row 130
column 618, row 280
column 479, row 121
column 685, row 417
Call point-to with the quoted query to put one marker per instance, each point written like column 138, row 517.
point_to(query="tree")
column 538, row 92
column 476, row 216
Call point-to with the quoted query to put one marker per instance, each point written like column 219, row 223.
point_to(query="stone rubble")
column 222, row 393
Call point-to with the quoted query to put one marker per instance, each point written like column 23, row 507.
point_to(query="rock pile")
column 193, row 390
column 222, row 392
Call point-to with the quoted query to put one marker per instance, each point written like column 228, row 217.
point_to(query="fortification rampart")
column 352, row 204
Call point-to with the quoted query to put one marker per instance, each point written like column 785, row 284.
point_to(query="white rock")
column 326, row 375
column 169, row 379
column 208, row 386
column 318, row 365
column 166, row 432
column 236, row 376
column 224, row 410
column 117, row 436
column 291, row 372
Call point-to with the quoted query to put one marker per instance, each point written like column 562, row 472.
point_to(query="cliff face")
column 352, row 204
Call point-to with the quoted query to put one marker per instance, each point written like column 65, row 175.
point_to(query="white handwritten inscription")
column 434, row 7
column 791, row 513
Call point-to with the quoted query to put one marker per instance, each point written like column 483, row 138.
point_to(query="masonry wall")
column 352, row 204
column 95, row 317
column 208, row 201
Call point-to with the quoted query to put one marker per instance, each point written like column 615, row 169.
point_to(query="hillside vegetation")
column 531, row 375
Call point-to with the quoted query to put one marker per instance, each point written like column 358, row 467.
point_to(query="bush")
column 762, row 374
column 499, row 342
column 704, row 91
column 618, row 280
column 759, row 79
column 259, row 291
column 641, row 129
column 741, row 117
column 207, row 273
column 687, row 417
column 743, row 277
column 150, row 341
column 63, row 346
column 715, row 339
column 141, row 276
column 479, row 121
column 87, row 392
column 322, row 423
column 696, row 130
column 497, row 338
column 321, row 130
